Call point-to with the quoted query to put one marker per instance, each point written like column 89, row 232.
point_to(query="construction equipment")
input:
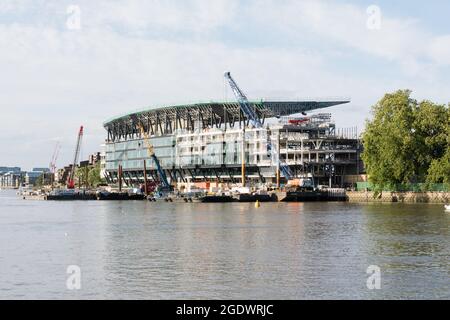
column 52, row 165
column 243, row 101
column 70, row 179
column 251, row 114
column 151, row 152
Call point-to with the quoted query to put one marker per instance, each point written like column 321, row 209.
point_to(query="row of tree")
column 407, row 141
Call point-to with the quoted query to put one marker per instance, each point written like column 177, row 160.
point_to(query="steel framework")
column 167, row 120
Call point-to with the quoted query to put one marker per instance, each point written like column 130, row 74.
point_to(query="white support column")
column 301, row 150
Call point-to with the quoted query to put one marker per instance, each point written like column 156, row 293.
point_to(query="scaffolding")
column 315, row 148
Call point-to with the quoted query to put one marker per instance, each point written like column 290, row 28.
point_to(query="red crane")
column 70, row 179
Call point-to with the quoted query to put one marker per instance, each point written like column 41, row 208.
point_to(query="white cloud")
column 126, row 57
column 346, row 25
column 56, row 80
column 136, row 16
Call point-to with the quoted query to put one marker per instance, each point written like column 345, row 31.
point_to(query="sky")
column 69, row 63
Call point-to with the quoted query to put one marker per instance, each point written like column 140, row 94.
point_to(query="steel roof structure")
column 166, row 120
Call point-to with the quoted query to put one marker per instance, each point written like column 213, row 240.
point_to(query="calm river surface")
column 140, row 250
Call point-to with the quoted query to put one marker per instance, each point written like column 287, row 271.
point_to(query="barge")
column 70, row 195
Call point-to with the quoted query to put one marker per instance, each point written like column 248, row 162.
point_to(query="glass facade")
column 206, row 148
column 131, row 154
column 217, row 147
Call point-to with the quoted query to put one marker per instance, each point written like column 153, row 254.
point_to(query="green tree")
column 94, row 177
column 81, row 177
column 431, row 132
column 388, row 143
column 40, row 181
column 406, row 141
column 439, row 171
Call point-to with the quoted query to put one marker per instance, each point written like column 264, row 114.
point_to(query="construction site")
column 229, row 150
column 217, row 146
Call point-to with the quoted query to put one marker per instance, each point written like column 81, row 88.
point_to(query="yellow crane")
column 151, row 152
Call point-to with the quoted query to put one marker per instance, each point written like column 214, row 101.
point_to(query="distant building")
column 62, row 174
column 84, row 164
column 32, row 177
column 103, row 161
column 94, row 158
column 9, row 169
column 14, row 177
column 11, row 177
column 43, row 170
column 44, row 174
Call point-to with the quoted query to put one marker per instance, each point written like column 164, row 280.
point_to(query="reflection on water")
column 145, row 250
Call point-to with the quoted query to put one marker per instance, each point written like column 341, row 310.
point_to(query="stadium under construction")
column 218, row 143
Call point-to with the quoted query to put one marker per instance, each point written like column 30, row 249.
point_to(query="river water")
column 140, row 250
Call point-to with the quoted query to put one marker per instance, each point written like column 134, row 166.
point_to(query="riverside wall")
column 407, row 197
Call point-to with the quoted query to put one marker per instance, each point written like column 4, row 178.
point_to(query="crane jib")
column 151, row 153
column 251, row 115
column 75, row 160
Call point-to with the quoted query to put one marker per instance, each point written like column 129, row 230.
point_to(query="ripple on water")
column 138, row 250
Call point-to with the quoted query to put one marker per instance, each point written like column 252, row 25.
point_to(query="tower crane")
column 151, row 152
column 70, row 179
column 52, row 166
column 253, row 117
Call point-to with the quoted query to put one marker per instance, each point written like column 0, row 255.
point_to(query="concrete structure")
column 4, row 170
column 209, row 142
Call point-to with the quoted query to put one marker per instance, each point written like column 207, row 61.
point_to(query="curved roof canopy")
column 164, row 120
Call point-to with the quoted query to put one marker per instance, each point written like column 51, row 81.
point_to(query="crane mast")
column 52, row 166
column 70, row 179
column 253, row 117
column 151, row 153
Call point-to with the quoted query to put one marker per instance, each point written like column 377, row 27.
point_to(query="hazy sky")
column 58, row 72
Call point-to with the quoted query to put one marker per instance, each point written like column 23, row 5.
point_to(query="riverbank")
column 407, row 197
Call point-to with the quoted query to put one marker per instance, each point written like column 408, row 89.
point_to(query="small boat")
column 447, row 207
